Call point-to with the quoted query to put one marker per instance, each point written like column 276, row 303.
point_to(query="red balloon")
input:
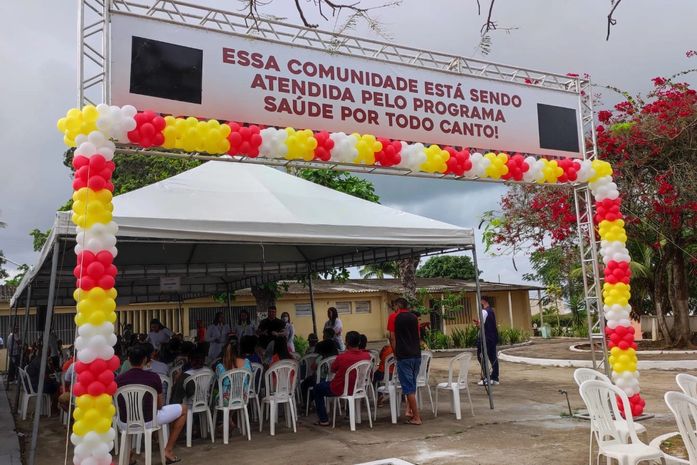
column 111, row 388
column 104, row 257
column 80, row 161
column 80, row 367
column 79, row 389
column 391, row 153
column 86, row 377
column 106, row 377
column 98, row 366
column 244, row 140
column 95, row 388
column 95, row 270
column 516, row 167
column 86, row 283
column 325, row 144
column 96, row 183
column 623, row 345
column 114, row 363
column 106, row 282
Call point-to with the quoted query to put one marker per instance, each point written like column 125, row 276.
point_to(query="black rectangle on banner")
column 161, row 69
column 558, row 128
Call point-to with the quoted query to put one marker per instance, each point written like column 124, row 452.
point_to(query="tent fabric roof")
column 223, row 226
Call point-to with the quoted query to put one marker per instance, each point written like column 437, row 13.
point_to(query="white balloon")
column 612, row 324
column 479, row 165
column 534, row 172
column 586, row 172
column 344, row 150
column 273, row 143
column 413, row 156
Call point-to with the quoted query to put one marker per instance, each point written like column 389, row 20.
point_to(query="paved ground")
column 9, row 445
column 528, row 426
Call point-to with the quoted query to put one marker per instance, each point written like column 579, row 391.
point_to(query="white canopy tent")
column 226, row 226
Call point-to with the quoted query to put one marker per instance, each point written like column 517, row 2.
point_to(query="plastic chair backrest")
column 425, row 367
column 324, row 369
column 390, row 372
column 281, row 378
column 175, row 371
column 238, row 384
column 461, row 363
column 166, row 387
column 684, row 407
column 133, row 397
column 257, row 372
column 361, row 372
column 601, row 401
column 203, row 382
column 305, row 365
column 688, row 384
column 26, row 381
column 587, row 374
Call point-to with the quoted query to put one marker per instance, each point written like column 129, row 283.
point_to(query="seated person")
column 155, row 365
column 363, row 345
column 67, row 374
column 335, row 387
column 379, row 374
column 34, row 371
column 280, row 350
column 231, row 360
column 312, row 341
column 248, row 346
column 197, row 364
column 173, row 415
column 325, row 348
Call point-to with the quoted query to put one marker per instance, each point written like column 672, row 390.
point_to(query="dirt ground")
column 529, row 425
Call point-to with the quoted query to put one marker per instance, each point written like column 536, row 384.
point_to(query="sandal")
column 412, row 422
column 319, row 423
column 173, row 460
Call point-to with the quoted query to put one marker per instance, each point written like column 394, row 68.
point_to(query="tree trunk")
column 407, row 275
column 680, row 293
column 660, row 299
column 265, row 297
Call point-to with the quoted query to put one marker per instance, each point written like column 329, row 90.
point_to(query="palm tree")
column 379, row 270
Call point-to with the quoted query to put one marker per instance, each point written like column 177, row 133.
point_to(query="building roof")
column 394, row 286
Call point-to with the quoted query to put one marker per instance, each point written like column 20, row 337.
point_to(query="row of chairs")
column 616, row 434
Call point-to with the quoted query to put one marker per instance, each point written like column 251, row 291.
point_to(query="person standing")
column 244, row 326
column 290, row 331
column 335, row 324
column 14, row 346
column 403, row 326
column 491, row 334
column 158, row 334
column 216, row 336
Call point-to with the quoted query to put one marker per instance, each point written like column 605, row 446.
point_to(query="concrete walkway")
column 9, row 444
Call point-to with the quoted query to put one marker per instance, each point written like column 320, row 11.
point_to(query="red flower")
column 604, row 116
column 658, row 81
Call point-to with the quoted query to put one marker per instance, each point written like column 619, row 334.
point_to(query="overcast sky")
column 38, row 83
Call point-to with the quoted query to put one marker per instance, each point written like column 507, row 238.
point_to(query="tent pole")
column 13, row 321
column 482, row 338
column 312, row 303
column 22, row 340
column 44, row 355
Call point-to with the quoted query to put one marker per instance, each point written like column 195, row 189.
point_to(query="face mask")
column 285, row 319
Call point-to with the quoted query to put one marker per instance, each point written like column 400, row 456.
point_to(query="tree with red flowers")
column 651, row 143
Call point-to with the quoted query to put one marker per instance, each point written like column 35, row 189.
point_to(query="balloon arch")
column 94, row 131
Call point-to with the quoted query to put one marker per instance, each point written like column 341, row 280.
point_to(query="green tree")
column 17, row 278
column 3, row 272
column 341, row 181
column 447, row 266
column 380, row 270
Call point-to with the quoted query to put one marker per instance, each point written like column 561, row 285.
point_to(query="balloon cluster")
column 367, row 147
column 273, row 143
column 325, row 144
column 570, row 168
column 617, row 273
column 479, row 165
column 78, row 121
column 551, row 171
column 93, row 172
column 345, row 150
column 413, row 156
column 436, row 160
column 244, row 140
column 191, row 135
column 91, row 130
column 148, row 130
column 116, row 122
column 459, row 161
column 301, row 145
column 497, row 165
column 517, row 167
column 390, row 154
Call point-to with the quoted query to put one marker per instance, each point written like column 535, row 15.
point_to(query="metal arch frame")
column 94, row 73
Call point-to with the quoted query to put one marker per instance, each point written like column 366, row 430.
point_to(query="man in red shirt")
column 335, row 387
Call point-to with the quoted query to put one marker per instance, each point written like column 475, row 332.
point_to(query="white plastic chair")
column 255, row 392
column 322, row 373
column 238, row 382
column 457, row 382
column 390, row 386
column 28, row 393
column 586, row 374
column 198, row 404
column 688, row 384
column 354, row 393
column 601, row 401
column 305, row 369
column 684, row 408
column 132, row 398
column 280, row 380
column 422, row 380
